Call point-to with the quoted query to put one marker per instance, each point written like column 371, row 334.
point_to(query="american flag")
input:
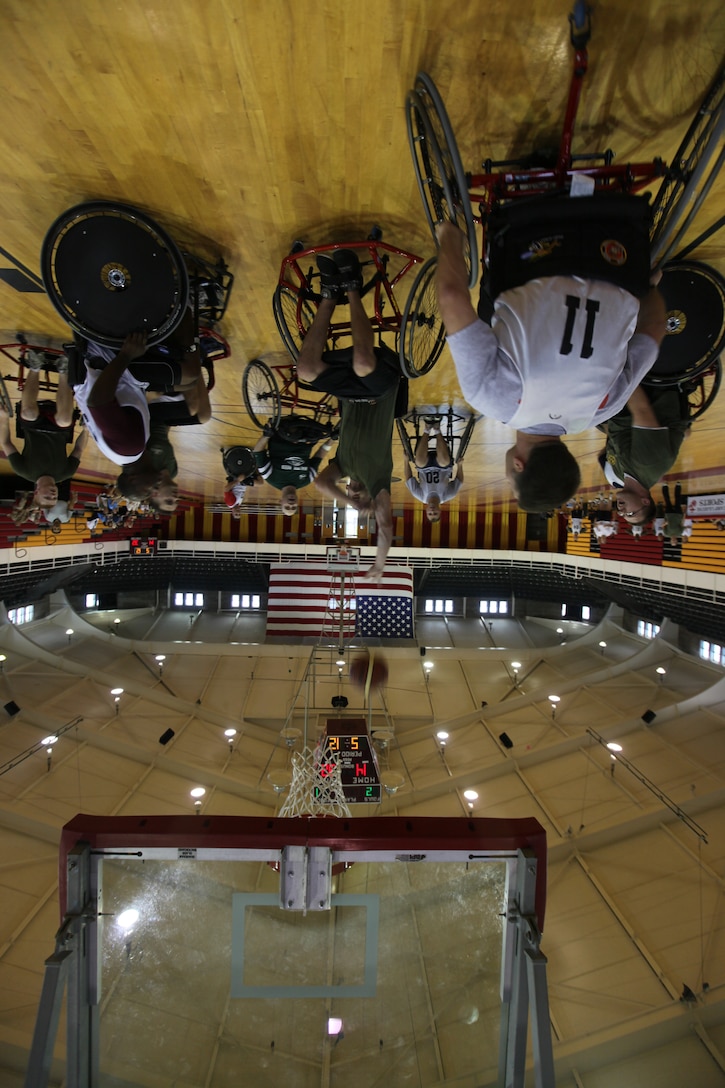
column 304, row 599
column 386, row 611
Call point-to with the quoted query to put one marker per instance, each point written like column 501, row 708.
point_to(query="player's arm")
column 105, row 386
column 454, row 296
column 7, row 446
column 641, row 410
column 384, row 522
column 652, row 319
column 328, row 482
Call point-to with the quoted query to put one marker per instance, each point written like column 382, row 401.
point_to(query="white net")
column 316, row 788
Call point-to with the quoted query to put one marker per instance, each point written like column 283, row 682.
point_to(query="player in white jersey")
column 439, row 479
column 561, row 354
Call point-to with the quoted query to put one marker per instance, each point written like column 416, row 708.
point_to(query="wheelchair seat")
column 604, row 236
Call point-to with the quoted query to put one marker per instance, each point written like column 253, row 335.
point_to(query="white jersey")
column 568, row 338
column 129, row 392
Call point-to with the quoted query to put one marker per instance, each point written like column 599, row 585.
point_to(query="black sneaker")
column 349, row 270
column 330, row 280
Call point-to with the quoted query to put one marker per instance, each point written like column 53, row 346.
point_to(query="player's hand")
column 374, row 576
column 133, row 346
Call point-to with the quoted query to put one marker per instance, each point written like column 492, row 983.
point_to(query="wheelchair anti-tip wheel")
column 293, row 315
column 694, row 297
column 459, row 211
column 110, row 270
column 422, row 334
column 702, row 390
column 261, row 394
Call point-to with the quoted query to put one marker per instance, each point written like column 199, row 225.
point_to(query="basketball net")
column 316, row 788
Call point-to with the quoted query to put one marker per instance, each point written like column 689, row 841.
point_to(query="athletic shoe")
column 330, row 280
column 34, row 360
column 350, row 272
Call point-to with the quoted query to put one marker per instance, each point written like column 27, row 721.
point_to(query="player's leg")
column 310, row 363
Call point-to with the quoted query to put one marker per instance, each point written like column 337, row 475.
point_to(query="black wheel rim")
column 422, row 333
column 695, row 301
column 293, row 316
column 261, row 396
column 109, row 270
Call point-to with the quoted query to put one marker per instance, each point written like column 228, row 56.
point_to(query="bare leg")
column 63, row 402
column 309, row 361
column 443, row 454
column 364, row 359
column 421, row 451
column 29, row 397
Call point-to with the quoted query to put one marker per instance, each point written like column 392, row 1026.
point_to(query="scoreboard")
column 140, row 546
column 347, row 741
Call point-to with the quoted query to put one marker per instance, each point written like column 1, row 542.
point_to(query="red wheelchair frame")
column 418, row 332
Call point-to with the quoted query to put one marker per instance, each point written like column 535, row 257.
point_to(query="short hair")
column 137, row 485
column 549, row 478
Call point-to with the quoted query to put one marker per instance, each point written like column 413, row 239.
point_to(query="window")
column 189, row 600
column 21, row 615
column 586, row 612
column 91, row 600
column 647, row 630
column 245, row 600
column 493, row 608
column 439, row 606
column 563, row 610
column 710, row 651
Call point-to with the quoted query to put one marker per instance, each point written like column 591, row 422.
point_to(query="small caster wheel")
column 297, row 246
column 375, row 234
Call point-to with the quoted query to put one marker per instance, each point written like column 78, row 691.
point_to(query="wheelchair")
column 109, row 269
column 415, row 422
column 417, row 329
column 689, row 356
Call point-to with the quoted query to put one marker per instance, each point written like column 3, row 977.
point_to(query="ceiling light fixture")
column 470, row 795
column 614, row 747
column 127, row 918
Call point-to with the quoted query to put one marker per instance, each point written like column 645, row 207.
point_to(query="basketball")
column 364, row 665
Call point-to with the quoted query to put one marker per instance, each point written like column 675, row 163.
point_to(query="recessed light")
column 198, row 791
column 116, row 691
column 470, row 795
column 442, row 735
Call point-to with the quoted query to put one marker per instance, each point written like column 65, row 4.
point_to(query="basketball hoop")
column 343, row 557
column 316, row 788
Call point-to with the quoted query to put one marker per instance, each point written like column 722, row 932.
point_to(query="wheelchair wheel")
column 109, row 269
column 422, row 334
column 5, row 401
column 293, row 315
column 261, row 394
column 685, row 173
column 695, row 300
column 460, row 212
column 466, row 438
column 428, row 164
column 405, row 440
column 701, row 391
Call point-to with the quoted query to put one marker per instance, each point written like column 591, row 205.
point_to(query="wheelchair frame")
column 457, row 444
column 268, row 389
column 418, row 331
column 213, row 349
column 448, row 192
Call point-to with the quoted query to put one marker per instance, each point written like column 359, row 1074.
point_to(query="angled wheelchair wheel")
column 702, row 390
column 460, row 212
column 293, row 315
column 5, row 401
column 261, row 394
column 404, row 440
column 694, row 297
column 685, row 174
column 422, row 334
column 109, row 269
column 428, row 164
column 466, row 438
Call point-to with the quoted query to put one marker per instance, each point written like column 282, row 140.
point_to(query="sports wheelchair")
column 448, row 422
column 417, row 328
column 693, row 292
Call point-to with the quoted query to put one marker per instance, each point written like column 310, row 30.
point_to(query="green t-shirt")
column 44, row 454
column 365, row 448
column 159, row 453
column 287, row 463
column 648, row 453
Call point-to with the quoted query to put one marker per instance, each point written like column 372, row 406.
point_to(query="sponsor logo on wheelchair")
column 613, row 252
column 542, row 247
